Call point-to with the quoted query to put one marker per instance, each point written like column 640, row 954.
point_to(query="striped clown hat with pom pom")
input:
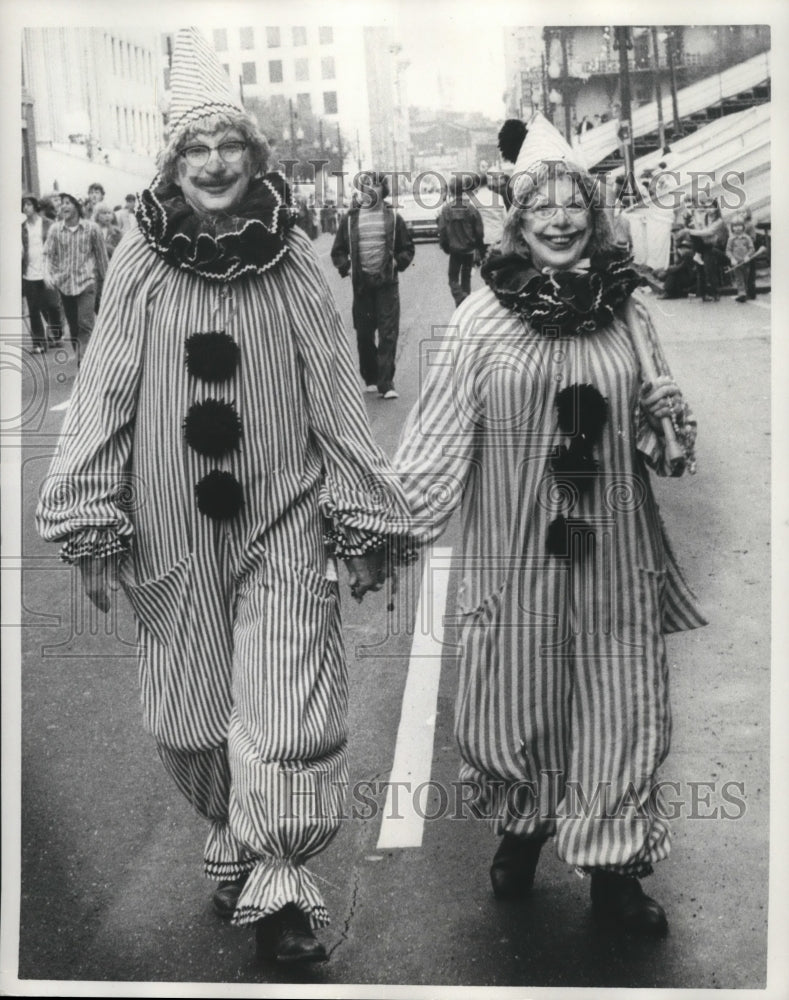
column 199, row 85
column 536, row 141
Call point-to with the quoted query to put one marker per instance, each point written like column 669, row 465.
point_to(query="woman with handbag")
column 541, row 416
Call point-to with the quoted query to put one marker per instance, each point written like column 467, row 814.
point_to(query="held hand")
column 660, row 399
column 98, row 578
column 369, row 573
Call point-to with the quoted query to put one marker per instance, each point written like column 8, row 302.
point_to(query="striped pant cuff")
column 224, row 856
column 273, row 884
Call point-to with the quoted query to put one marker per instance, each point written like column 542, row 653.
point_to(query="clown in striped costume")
column 219, row 383
column 534, row 419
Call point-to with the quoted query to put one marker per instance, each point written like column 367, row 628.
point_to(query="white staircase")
column 601, row 141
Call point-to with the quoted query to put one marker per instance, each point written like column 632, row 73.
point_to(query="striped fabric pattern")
column 199, row 87
column 74, row 256
column 556, row 653
column 372, row 245
column 238, row 623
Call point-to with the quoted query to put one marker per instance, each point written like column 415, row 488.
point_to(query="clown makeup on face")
column 218, row 185
column 556, row 225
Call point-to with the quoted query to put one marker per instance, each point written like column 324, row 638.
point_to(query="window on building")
column 326, row 35
column 299, row 36
column 272, row 38
column 304, row 104
column 327, row 68
column 302, row 69
column 275, row 71
column 249, row 73
column 330, row 102
column 220, row 39
column 246, row 38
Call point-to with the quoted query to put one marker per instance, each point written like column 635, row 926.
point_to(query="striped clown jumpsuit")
column 562, row 714
column 230, row 413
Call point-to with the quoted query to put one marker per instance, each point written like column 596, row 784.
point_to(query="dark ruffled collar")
column 562, row 302
column 250, row 241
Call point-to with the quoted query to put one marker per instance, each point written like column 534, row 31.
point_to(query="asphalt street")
column 112, row 889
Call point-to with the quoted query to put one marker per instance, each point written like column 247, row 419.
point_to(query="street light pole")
column 292, row 130
column 673, row 80
column 658, row 92
column 565, row 85
column 622, row 42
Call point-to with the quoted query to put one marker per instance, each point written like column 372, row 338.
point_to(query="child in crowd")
column 740, row 249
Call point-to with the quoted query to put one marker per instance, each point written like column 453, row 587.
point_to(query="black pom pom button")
column 212, row 356
column 219, row 495
column 213, row 428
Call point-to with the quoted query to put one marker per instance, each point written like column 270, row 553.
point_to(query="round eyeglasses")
column 548, row 211
column 229, row 152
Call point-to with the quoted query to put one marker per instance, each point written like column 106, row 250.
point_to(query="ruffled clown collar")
column 222, row 248
column 576, row 301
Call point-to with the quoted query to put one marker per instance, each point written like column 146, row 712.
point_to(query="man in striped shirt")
column 74, row 257
column 373, row 243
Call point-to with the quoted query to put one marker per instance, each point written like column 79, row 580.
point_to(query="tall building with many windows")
column 347, row 78
column 100, row 84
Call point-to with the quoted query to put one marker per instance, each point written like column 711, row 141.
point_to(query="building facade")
column 97, row 87
column 447, row 141
column 333, row 91
column 579, row 65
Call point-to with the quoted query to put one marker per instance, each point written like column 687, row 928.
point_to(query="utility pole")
column 623, row 43
column 292, row 130
column 673, row 80
column 544, row 79
column 658, row 93
column 341, row 179
column 565, row 86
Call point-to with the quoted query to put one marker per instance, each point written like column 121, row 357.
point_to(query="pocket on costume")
column 160, row 603
column 288, row 638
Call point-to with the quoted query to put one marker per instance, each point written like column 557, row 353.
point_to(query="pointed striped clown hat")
column 535, row 141
column 199, row 86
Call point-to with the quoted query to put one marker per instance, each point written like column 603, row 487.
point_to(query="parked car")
column 421, row 222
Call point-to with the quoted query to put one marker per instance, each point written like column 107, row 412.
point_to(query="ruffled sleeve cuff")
column 345, row 543
column 94, row 543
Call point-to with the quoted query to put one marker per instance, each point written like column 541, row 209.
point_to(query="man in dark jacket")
column 42, row 301
column 372, row 243
column 461, row 234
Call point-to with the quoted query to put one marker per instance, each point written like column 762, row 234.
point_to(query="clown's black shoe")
column 514, row 865
column 286, row 936
column 621, row 900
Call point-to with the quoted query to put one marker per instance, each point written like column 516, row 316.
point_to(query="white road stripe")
column 60, row 406
column 402, row 825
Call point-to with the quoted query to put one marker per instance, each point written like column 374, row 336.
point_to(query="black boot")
column 226, row 895
column 514, row 865
column 620, row 899
column 286, row 936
